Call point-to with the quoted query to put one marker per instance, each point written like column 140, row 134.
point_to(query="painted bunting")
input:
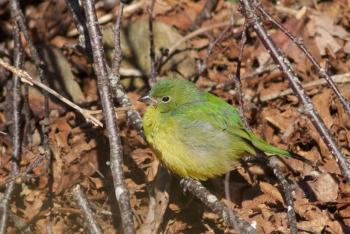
column 197, row 134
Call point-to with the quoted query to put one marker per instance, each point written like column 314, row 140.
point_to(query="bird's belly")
column 185, row 161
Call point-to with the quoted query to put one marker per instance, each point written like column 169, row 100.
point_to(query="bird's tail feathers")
column 267, row 148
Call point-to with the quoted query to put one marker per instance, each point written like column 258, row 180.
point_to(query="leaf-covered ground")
column 80, row 152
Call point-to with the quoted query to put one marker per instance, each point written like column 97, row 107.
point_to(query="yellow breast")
column 162, row 133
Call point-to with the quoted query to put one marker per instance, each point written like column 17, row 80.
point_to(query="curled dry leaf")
column 74, row 154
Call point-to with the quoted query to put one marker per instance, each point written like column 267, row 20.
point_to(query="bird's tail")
column 266, row 147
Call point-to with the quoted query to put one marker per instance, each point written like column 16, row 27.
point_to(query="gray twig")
column 230, row 217
column 299, row 42
column 152, row 53
column 16, row 130
column 116, row 153
column 248, row 10
column 271, row 160
column 17, row 14
column 79, row 21
column 114, row 76
column 84, row 205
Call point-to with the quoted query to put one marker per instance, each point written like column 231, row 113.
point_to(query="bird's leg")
column 184, row 184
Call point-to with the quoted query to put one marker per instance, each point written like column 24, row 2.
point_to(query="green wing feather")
column 215, row 115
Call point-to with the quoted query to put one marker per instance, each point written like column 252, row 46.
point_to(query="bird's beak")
column 147, row 99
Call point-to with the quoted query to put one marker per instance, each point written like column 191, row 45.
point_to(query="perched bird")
column 197, row 134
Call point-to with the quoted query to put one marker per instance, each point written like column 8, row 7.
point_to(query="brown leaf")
column 272, row 191
column 325, row 188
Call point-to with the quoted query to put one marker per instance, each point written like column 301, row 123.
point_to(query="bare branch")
column 16, row 130
column 248, row 10
column 323, row 73
column 152, row 53
column 116, row 153
column 19, row 17
column 84, row 205
column 230, row 217
column 272, row 161
column 26, row 78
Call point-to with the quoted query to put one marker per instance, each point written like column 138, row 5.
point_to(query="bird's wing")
column 209, row 130
column 219, row 118
column 239, row 129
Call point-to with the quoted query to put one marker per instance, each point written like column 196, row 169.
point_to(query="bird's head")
column 168, row 94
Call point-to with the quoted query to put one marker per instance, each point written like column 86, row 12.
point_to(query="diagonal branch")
column 116, row 153
column 312, row 59
column 248, row 10
column 271, row 161
column 230, row 217
column 85, row 208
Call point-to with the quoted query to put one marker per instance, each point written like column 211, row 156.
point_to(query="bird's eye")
column 165, row 99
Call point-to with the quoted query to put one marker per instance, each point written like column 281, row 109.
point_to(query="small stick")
column 26, row 78
column 271, row 160
column 118, row 56
column 339, row 79
column 152, row 53
column 84, row 205
column 230, row 217
column 79, row 21
column 16, row 130
column 237, row 78
column 116, row 152
column 211, row 46
column 248, row 10
column 19, row 17
column 299, row 42
column 129, row 9
column 204, row 13
column 196, row 33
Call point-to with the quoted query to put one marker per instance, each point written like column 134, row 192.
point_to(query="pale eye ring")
column 165, row 99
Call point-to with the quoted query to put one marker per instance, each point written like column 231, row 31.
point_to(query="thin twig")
column 19, row 17
column 114, row 76
column 239, row 94
column 271, row 160
column 116, row 153
column 237, row 78
column 288, row 193
column 129, row 9
column 339, row 79
column 204, row 14
column 152, row 53
column 248, row 10
column 204, row 65
column 196, row 33
column 114, row 73
column 79, row 21
column 27, row 79
column 118, row 56
column 84, row 205
column 16, row 130
column 230, row 217
column 321, row 71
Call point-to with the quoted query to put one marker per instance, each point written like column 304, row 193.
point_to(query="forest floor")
column 80, row 150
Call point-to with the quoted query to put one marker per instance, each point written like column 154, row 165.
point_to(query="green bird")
column 197, row 134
